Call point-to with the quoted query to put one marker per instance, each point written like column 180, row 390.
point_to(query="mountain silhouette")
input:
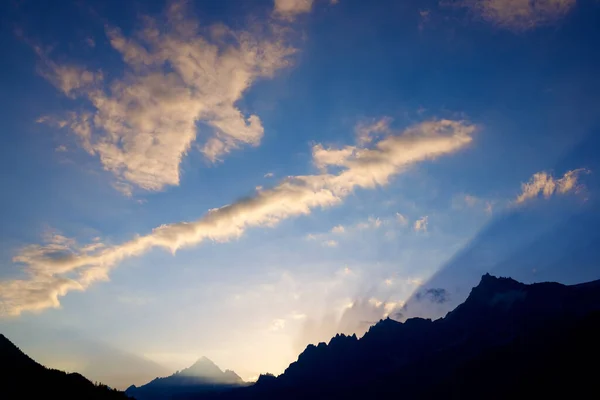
column 92, row 358
column 22, row 377
column 201, row 377
column 506, row 340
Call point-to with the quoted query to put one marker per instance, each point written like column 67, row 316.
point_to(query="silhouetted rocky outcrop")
column 506, row 340
column 22, row 377
column 203, row 376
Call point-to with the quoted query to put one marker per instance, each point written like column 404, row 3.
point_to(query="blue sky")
column 349, row 153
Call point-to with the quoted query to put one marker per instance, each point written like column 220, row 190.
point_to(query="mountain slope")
column 520, row 325
column 22, row 377
column 203, row 376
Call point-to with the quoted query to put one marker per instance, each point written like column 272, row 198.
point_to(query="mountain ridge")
column 419, row 353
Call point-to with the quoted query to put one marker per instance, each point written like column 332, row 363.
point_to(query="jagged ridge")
column 420, row 352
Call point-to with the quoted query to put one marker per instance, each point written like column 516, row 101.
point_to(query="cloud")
column 421, row 224
column 365, row 133
column 54, row 269
column 435, row 295
column 402, row 220
column 277, row 325
column 520, row 15
column 489, row 207
column 546, row 185
column 371, row 223
column 471, row 200
column 72, row 80
column 338, row 229
column 297, row 316
column 142, row 124
column 330, row 243
column 125, row 188
column 462, row 200
column 288, row 9
column 323, row 158
column 424, row 16
column 269, row 175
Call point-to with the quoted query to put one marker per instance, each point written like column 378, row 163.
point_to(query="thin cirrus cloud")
column 370, row 223
column 53, row 269
column 142, row 124
column 542, row 183
column 520, row 15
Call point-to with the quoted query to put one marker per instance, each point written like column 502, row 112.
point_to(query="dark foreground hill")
column 507, row 340
column 21, row 377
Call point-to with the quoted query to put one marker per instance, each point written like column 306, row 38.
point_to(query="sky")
column 238, row 179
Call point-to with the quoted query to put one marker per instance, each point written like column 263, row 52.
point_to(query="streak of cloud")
column 55, row 268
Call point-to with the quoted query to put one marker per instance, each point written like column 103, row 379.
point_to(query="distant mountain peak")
column 204, row 361
column 203, row 368
column 202, row 375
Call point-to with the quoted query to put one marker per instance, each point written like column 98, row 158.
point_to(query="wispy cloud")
column 366, row 132
column 338, row 229
column 435, row 295
column 421, row 224
column 402, row 220
column 471, row 200
column 55, row 269
column 277, row 324
column 542, row 183
column 489, row 207
column 424, row 18
column 370, row 223
column 520, row 15
column 464, row 201
column 289, row 9
column 269, row 175
column 143, row 124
